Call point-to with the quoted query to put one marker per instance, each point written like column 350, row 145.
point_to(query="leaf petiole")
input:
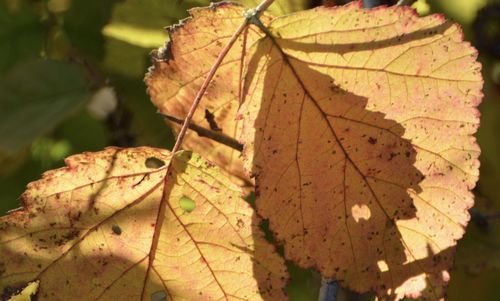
column 252, row 17
column 210, row 134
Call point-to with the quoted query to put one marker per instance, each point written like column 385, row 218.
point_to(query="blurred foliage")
column 37, row 95
column 462, row 11
column 61, row 61
column 82, row 22
column 21, row 33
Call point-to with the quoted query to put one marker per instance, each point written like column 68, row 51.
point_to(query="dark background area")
column 71, row 80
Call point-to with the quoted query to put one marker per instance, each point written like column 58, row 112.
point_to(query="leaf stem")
column 203, row 132
column 328, row 290
column 256, row 12
column 263, row 6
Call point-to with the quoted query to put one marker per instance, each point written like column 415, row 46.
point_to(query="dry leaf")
column 183, row 64
column 110, row 226
column 359, row 128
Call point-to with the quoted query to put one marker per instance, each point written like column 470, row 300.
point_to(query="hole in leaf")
column 159, row 296
column 382, row 265
column 116, row 229
column 187, row 204
column 153, row 162
column 360, row 212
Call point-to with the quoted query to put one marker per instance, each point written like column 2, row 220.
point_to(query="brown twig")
column 204, row 132
column 263, row 6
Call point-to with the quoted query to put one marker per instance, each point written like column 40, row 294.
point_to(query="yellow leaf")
column 359, row 129
column 181, row 67
column 109, row 226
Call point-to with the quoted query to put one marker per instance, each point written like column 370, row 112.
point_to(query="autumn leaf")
column 182, row 65
column 113, row 225
column 359, row 129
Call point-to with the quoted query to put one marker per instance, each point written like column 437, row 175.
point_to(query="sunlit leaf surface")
column 182, row 66
column 114, row 225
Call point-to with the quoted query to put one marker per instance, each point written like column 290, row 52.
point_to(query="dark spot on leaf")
column 65, row 238
column 392, row 156
column 372, row 140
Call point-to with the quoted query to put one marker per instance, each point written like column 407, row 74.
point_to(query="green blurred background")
column 71, row 80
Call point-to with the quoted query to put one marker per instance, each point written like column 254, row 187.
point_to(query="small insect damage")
column 187, row 204
column 153, row 162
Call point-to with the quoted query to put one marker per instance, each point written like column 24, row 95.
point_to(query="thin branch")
column 263, row 6
column 328, row 290
column 256, row 12
column 204, row 132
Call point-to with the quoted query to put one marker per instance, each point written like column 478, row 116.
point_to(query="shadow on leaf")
column 335, row 178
